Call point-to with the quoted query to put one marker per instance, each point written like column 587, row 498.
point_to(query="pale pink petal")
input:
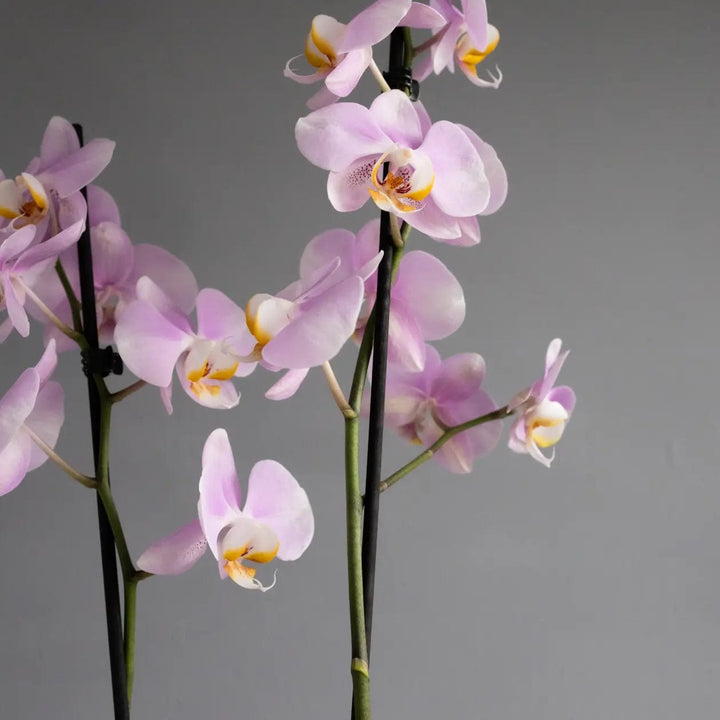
column 219, row 318
column 59, row 141
column 432, row 221
column 318, row 333
column 149, row 343
column 168, row 272
column 101, row 206
column 14, row 244
column 14, row 298
column 343, row 79
column 321, row 98
column 50, row 249
column 405, row 341
column 461, row 188
column 443, row 52
column 314, row 77
column 274, row 497
column 395, row 114
column 14, row 461
column 75, row 171
column 226, row 397
column 459, row 377
column 219, row 483
column 287, row 385
column 348, row 190
column 112, row 254
column 476, row 20
column 335, row 136
column 71, row 209
column 175, row 553
column 494, row 170
column 423, row 17
column 373, row 24
column 17, row 404
column 563, row 395
column 45, row 420
column 323, row 248
column 433, row 292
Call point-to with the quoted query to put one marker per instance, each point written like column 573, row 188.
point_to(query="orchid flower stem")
column 127, row 391
column 450, row 432
column 397, row 237
column 336, row 391
column 70, row 294
column 85, row 480
column 78, row 337
column 130, row 606
column 377, row 74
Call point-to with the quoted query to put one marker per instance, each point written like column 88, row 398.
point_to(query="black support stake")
column 107, row 542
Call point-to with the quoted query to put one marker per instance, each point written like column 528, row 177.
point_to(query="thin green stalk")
column 353, row 515
column 130, row 588
column 71, row 297
column 449, row 433
column 104, row 492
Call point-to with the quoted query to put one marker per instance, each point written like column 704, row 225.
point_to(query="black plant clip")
column 101, row 361
column 402, row 79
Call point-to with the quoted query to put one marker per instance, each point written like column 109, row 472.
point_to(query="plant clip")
column 402, row 79
column 101, row 361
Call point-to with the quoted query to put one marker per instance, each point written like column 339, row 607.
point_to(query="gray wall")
column 590, row 591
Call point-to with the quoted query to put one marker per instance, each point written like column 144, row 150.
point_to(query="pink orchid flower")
column 341, row 53
column 47, row 193
column 276, row 521
column 153, row 336
column 446, row 393
column 117, row 266
column 465, row 37
column 306, row 324
column 21, row 263
column 427, row 301
column 440, row 175
column 32, row 407
column 544, row 410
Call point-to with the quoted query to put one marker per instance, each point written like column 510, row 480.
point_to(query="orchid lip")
column 408, row 181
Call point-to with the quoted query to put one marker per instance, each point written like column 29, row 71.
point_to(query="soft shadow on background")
column 588, row 591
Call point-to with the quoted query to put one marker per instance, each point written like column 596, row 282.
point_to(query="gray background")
column 587, row 592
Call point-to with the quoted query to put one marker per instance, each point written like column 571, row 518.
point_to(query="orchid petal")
column 101, row 206
column 422, row 17
column 433, row 293
column 476, row 20
column 335, row 136
column 320, row 331
column 275, row 498
column 219, row 487
column 45, row 420
column 176, row 553
column 149, row 343
column 14, row 244
column 51, row 248
column 461, row 188
column 168, row 272
column 321, row 99
column 494, row 171
column 15, row 310
column 59, row 141
column 343, row 79
column 219, row 318
column 287, row 385
column 459, row 376
column 373, row 24
column 75, row 171
column 14, row 461
column 17, row 404
column 396, row 116
column 112, row 254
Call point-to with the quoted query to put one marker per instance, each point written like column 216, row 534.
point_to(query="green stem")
column 71, row 297
column 130, row 587
column 353, row 514
column 449, row 433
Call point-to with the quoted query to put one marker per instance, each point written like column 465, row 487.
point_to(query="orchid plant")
column 66, row 262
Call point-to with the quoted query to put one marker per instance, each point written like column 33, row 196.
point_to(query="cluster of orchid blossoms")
column 436, row 177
